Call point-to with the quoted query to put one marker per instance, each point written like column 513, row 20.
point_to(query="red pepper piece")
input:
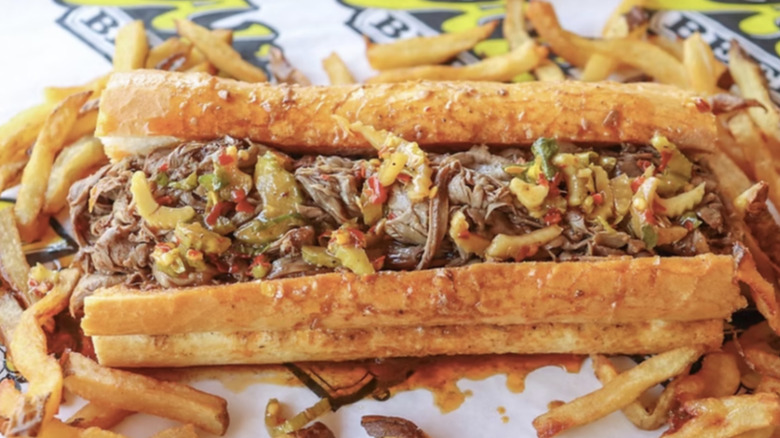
column 552, row 217
column 226, row 160
column 218, row 210
column 378, row 193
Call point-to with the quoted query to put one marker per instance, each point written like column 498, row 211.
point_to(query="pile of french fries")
column 735, row 392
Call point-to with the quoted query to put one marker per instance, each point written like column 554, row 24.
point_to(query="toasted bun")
column 262, row 347
column 144, row 110
column 608, row 291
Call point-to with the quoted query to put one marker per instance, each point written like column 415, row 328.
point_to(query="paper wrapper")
column 67, row 42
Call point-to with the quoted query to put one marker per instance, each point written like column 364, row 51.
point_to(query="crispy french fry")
column 514, row 24
column 752, row 85
column 30, row 355
column 600, row 66
column 699, row 62
column 72, row 164
column 763, row 359
column 94, row 432
column 95, row 415
column 56, row 95
column 617, row 394
column 762, row 291
column 731, row 147
column 548, row 71
column 673, row 47
column 130, row 47
column 84, row 126
column 283, row 71
column 757, row 153
column 728, row 416
column 50, row 141
column 13, row 264
column 10, row 315
column 137, row 393
column 577, row 50
column 636, row 411
column 186, row 431
column 498, row 68
column 165, row 50
column 337, row 70
column 718, row 377
column 225, row 35
column 220, row 53
column 19, row 133
column 9, row 399
column 57, row 429
column 203, row 67
column 431, row 50
column 10, row 173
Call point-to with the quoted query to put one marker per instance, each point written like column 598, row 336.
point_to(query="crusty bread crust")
column 195, row 106
column 609, row 291
column 262, row 347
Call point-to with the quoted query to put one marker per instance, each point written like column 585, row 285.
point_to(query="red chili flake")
column 163, row 167
column 658, row 207
column 362, row 171
column 193, row 253
column 598, row 198
column 226, row 160
column 162, row 247
column 378, row 262
column 32, row 283
column 358, row 238
column 552, row 217
column 404, row 178
column 666, row 156
column 218, row 210
column 237, row 195
column 525, row 252
column 636, row 183
column 244, row 207
column 554, row 190
column 650, row 217
column 259, row 260
column 464, row 234
column 542, row 180
column 643, row 164
column 378, row 193
column 235, row 268
column 165, row 200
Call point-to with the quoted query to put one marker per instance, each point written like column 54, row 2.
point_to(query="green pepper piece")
column 196, row 237
column 544, row 149
column 277, row 187
column 262, row 231
column 187, row 184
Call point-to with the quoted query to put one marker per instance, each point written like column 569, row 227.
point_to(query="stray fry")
column 95, row 415
column 728, row 416
column 337, row 70
column 131, row 47
column 600, row 66
column 514, row 24
column 30, row 355
column 431, row 50
column 220, row 53
column 50, row 141
column 498, row 68
column 617, row 394
column 10, row 173
column 72, row 164
column 752, row 85
column 137, row 393
column 13, row 264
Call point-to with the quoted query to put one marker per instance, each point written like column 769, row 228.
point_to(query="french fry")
column 95, row 415
column 57, row 429
column 548, row 71
column 673, row 47
column 203, row 67
column 10, row 315
column 13, row 264
column 728, row 416
column 19, row 133
column 72, row 164
column 84, row 126
column 648, row 58
column 137, row 393
column 283, row 71
column 50, row 141
column 718, row 377
column 762, row 291
column 636, row 411
column 56, row 95
column 186, row 431
column 600, row 66
column 731, row 147
column 9, row 399
column 165, row 50
column 30, row 355
column 757, row 153
column 94, row 432
column 514, row 24
column 430, row 50
column 225, row 35
column 752, row 85
column 220, row 53
column 498, row 68
column 11, row 172
column 130, row 47
column 337, row 70
column 699, row 62
column 763, row 360
column 617, row 394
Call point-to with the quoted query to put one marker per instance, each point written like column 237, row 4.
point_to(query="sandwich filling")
column 231, row 210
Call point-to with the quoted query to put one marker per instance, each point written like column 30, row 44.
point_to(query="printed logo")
column 96, row 22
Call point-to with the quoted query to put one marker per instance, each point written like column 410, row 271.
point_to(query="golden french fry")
column 30, row 355
column 337, row 70
column 699, row 62
column 10, row 315
column 137, row 393
column 514, row 24
column 648, row 58
column 757, row 153
column 84, row 126
column 130, row 47
column 94, row 432
column 728, row 416
column 186, row 431
column 763, row 360
column 762, row 291
column 10, row 173
column 730, row 146
column 617, row 394
column 95, row 415
column 19, row 133
column 56, row 95
column 636, row 411
column 498, row 68
column 752, row 85
column 203, row 67
column 220, row 53
column 673, row 47
column 225, row 35
column 165, row 50
column 72, row 164
column 57, row 429
column 9, row 399
column 548, row 71
column 430, row 50
column 13, row 264
column 50, row 141
column 718, row 377
column 600, row 66
column 283, row 71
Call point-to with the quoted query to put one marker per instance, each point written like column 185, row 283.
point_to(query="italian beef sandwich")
column 256, row 223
